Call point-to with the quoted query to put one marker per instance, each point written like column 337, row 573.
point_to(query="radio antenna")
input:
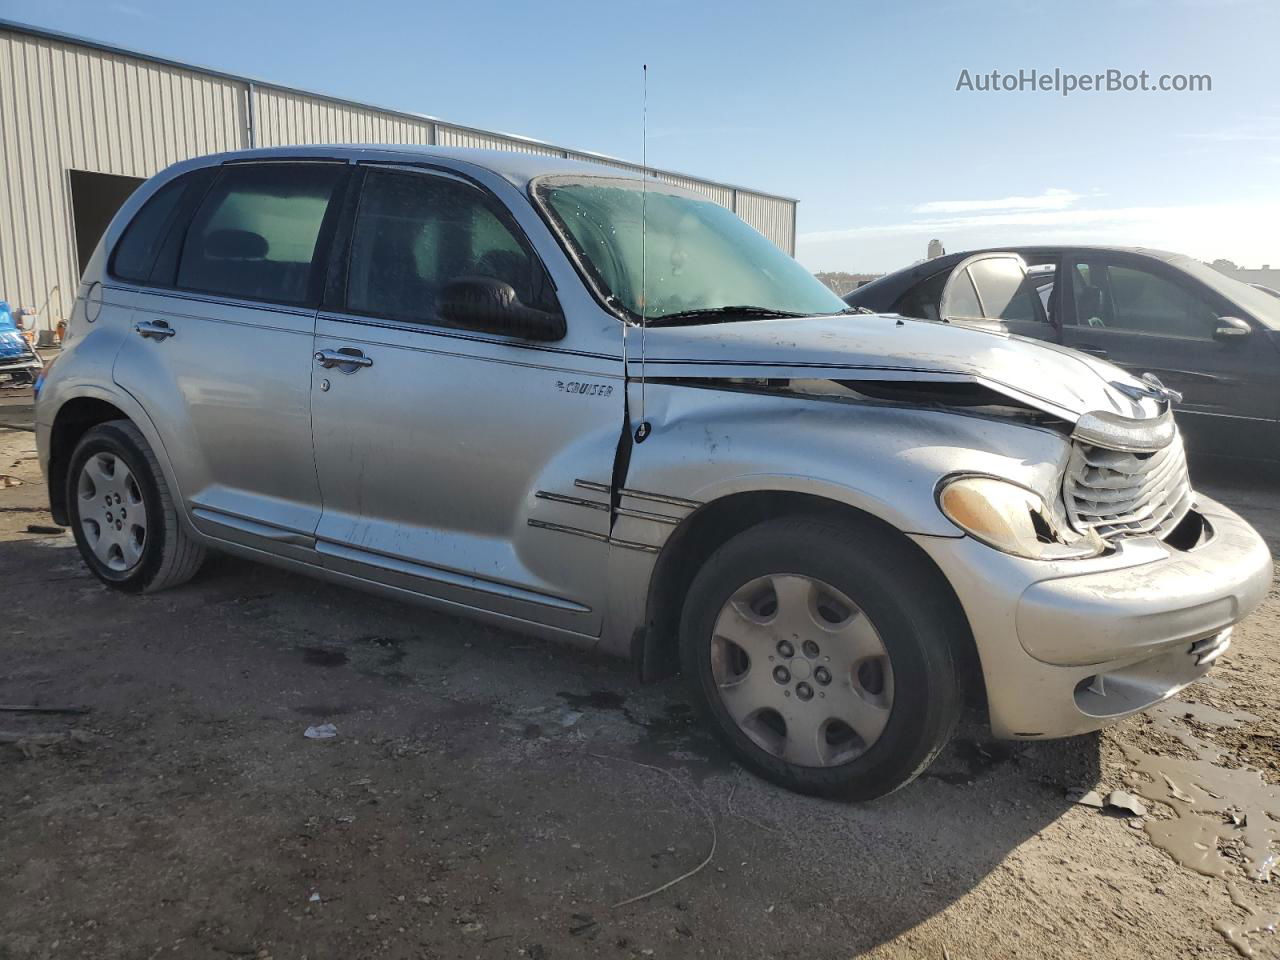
column 642, row 430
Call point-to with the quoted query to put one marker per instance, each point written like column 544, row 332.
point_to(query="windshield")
column 698, row 256
column 1262, row 305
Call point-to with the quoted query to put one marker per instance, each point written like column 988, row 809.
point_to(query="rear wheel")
column 821, row 652
column 122, row 514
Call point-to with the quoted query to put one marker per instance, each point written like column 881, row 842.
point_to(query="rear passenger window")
column 963, row 300
column 415, row 233
column 255, row 235
column 1006, row 291
column 135, row 254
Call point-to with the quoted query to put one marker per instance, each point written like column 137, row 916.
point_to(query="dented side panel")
column 706, row 444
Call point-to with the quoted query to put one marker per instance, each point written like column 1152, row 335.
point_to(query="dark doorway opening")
column 95, row 198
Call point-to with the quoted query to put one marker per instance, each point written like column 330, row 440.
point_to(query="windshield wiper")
column 721, row 315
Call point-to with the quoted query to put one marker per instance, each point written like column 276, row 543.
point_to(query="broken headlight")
column 1013, row 520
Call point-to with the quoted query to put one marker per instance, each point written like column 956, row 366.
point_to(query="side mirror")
column 1231, row 327
column 491, row 306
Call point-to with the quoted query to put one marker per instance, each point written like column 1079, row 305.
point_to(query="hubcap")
column 801, row 670
column 112, row 515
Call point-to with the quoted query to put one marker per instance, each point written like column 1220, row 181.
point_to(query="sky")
column 852, row 107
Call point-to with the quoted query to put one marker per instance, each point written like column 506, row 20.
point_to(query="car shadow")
column 534, row 741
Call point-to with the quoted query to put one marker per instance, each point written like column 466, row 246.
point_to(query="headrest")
column 235, row 245
column 1089, row 301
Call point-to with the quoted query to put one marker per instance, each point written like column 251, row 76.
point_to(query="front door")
column 220, row 348
column 436, row 444
column 1149, row 320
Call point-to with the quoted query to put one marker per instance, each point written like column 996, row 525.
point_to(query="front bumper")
column 1069, row 647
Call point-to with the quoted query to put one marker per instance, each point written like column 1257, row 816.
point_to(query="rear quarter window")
column 136, row 252
column 922, row 300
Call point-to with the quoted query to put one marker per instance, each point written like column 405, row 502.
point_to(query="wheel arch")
column 702, row 532
column 74, row 418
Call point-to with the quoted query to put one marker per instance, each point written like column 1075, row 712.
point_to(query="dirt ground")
column 488, row 795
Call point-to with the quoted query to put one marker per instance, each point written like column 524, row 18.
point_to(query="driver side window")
column 414, row 234
column 1126, row 298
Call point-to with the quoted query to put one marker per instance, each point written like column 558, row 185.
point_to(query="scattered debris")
column 10, row 481
column 45, row 528
column 1175, row 791
column 322, row 731
column 1121, row 800
column 584, row 922
column 33, row 708
column 710, row 823
column 1091, row 798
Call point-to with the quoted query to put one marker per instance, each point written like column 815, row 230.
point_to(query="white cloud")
column 1051, row 199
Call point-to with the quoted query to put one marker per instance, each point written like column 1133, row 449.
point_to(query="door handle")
column 345, row 357
column 154, row 330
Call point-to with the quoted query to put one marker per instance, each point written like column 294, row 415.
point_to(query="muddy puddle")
column 1240, row 933
column 1217, row 820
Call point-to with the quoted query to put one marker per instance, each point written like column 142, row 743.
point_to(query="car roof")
column 518, row 168
column 892, row 285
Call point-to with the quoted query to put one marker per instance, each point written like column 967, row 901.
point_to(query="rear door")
column 1149, row 318
column 438, row 443
column 220, row 355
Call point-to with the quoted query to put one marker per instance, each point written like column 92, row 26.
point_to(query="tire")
column 874, row 720
column 113, row 471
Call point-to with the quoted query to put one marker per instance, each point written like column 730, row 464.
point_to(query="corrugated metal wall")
column 65, row 106
column 775, row 218
column 68, row 105
column 447, row 136
column 718, row 192
column 282, row 117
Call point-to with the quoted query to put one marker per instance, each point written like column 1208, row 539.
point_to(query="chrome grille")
column 1121, row 494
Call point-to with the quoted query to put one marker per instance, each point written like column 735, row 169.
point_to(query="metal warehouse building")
column 83, row 123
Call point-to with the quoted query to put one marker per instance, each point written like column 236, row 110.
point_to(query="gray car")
column 606, row 411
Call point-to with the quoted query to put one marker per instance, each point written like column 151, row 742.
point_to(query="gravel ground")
column 488, row 795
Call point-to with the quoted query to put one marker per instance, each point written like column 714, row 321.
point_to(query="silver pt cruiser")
column 605, row 410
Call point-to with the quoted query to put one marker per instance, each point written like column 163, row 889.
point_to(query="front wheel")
column 822, row 653
column 122, row 514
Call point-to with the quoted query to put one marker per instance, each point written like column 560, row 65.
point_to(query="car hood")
column 876, row 347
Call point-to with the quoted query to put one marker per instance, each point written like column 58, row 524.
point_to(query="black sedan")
column 1210, row 337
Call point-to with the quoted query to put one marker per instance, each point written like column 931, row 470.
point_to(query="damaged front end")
column 1124, row 477
column 967, row 395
